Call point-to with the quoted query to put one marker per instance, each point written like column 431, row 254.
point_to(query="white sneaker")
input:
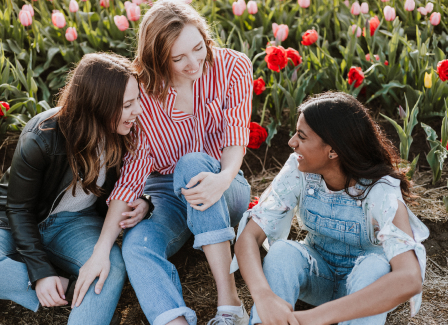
column 228, row 318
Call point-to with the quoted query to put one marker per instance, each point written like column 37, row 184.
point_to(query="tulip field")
column 390, row 54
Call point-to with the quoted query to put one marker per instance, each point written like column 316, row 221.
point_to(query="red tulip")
column 25, row 18
column 442, row 70
column 28, row 8
column 252, row 7
column 356, row 75
column 4, row 105
column 73, row 6
column 435, row 18
column 254, row 202
column 294, row 56
column 259, row 86
column 373, row 24
column 104, row 3
column 310, row 37
column 70, row 34
column 121, row 22
column 133, row 12
column 257, row 135
column 58, row 19
column 280, row 31
column 276, row 58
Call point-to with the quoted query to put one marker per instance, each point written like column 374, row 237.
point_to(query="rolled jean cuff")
column 213, row 237
column 172, row 314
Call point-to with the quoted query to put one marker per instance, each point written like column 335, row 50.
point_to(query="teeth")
column 130, row 121
column 192, row 71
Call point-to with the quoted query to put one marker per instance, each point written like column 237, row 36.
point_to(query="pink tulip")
column 252, row 7
column 126, row 4
column 28, row 8
column 58, row 19
column 73, row 7
column 280, row 31
column 385, row 0
column 242, row 4
column 389, row 13
column 435, row 18
column 347, row 3
column 133, row 12
column 429, row 7
column 121, row 22
column 356, row 9
column 25, row 18
column 409, row 5
column 104, row 3
column 238, row 8
column 138, row 2
column 70, row 34
column 304, row 3
column 365, row 8
column 422, row 11
column 357, row 29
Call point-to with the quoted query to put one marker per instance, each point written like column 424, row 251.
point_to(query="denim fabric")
column 335, row 259
column 68, row 239
column 147, row 246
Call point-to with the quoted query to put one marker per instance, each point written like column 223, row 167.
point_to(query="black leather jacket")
column 38, row 178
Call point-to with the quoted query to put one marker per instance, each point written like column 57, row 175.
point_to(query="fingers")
column 199, row 177
column 200, row 207
column 57, row 300
column 82, row 285
column 59, row 288
column 100, row 283
column 292, row 320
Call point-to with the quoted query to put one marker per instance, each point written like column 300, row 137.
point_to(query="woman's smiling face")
column 188, row 55
column 313, row 152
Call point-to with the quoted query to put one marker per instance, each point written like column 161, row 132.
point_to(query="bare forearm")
column 231, row 160
column 111, row 228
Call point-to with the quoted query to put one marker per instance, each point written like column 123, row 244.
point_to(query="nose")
column 293, row 142
column 137, row 109
column 193, row 62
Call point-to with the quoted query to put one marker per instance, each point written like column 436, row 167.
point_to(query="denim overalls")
column 335, row 259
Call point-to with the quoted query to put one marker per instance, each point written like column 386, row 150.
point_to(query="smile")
column 192, row 71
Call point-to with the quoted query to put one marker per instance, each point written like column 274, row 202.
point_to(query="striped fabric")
column 223, row 105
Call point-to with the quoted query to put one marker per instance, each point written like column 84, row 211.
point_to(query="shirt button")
column 310, row 191
column 358, row 203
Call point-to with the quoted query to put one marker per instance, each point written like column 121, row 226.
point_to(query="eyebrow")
column 184, row 54
column 300, row 131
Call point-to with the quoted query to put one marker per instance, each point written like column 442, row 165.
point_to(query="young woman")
column 64, row 168
column 196, row 102
column 362, row 255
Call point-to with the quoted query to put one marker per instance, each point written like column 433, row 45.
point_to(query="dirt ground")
column 260, row 167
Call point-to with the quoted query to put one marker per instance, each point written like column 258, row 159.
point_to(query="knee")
column 367, row 270
column 284, row 257
column 117, row 271
column 191, row 165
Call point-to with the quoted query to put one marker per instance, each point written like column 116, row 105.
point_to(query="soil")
column 260, row 166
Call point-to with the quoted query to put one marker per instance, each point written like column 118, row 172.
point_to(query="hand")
column 140, row 209
column 50, row 292
column 273, row 310
column 309, row 317
column 98, row 265
column 210, row 189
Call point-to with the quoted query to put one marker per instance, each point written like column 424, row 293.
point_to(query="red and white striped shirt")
column 222, row 109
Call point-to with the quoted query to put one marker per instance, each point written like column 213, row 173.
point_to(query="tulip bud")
column 357, row 29
column 401, row 112
column 73, row 7
column 133, row 12
column 422, row 11
column 121, row 22
column 126, row 4
column 280, row 31
column 435, row 18
column 368, row 57
column 389, row 13
column 104, row 3
column 428, row 80
column 25, row 18
column 70, row 34
column 347, row 3
column 409, row 5
column 58, row 19
column 28, row 8
column 252, row 7
column 365, row 8
column 304, row 3
column 429, row 7
column 356, row 9
column 237, row 8
column 242, row 4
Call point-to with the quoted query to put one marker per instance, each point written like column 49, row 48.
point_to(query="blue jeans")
column 68, row 239
column 147, row 246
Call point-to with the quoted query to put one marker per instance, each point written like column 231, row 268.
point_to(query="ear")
column 332, row 154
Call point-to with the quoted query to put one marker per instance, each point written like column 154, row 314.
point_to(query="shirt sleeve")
column 136, row 169
column 381, row 206
column 275, row 209
column 239, row 104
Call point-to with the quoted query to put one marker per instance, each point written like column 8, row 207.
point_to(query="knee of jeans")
column 117, row 265
column 284, row 257
column 191, row 165
column 367, row 270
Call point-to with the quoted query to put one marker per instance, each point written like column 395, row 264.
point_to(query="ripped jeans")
column 296, row 271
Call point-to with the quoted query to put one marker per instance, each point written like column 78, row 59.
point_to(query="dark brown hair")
column 159, row 29
column 91, row 107
column 364, row 151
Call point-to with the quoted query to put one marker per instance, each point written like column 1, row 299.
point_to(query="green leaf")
column 272, row 130
column 412, row 168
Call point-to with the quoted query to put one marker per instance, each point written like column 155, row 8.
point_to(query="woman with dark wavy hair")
column 64, row 168
column 362, row 255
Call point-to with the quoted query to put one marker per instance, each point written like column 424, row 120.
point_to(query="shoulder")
column 236, row 62
column 386, row 186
